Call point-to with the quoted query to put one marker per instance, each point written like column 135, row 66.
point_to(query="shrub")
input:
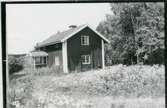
column 15, row 64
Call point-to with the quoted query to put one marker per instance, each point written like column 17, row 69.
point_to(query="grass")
column 114, row 87
column 108, row 102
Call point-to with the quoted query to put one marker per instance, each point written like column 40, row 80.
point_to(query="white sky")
column 28, row 24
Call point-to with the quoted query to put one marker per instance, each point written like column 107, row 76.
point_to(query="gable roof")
column 63, row 36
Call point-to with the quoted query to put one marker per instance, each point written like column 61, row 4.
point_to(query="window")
column 85, row 59
column 37, row 60
column 40, row 60
column 84, row 40
column 45, row 60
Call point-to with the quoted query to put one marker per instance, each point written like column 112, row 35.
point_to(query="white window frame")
column 84, row 40
column 41, row 59
column 84, row 61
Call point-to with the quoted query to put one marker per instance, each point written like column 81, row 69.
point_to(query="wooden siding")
column 75, row 50
column 54, row 51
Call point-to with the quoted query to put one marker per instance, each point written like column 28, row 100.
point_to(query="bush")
column 15, row 64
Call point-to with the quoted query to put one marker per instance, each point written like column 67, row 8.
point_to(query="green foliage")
column 136, row 32
column 15, row 64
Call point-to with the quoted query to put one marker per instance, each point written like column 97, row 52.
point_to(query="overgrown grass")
column 49, row 88
column 108, row 102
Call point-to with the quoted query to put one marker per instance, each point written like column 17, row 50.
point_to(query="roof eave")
column 104, row 38
column 48, row 44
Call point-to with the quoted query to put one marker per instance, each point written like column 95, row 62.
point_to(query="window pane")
column 37, row 60
column 41, row 60
column 87, row 40
column 87, row 59
column 44, row 60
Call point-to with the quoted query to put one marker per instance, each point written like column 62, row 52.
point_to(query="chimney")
column 36, row 47
column 72, row 26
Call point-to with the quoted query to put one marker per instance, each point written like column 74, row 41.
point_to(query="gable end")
column 69, row 36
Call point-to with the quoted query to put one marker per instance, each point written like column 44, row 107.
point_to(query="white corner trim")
column 86, row 25
column 65, row 59
column 103, row 58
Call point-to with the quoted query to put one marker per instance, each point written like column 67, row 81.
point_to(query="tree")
column 136, row 31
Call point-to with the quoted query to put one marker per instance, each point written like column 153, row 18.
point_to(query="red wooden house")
column 80, row 48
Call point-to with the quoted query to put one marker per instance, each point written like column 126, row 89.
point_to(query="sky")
column 28, row 24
